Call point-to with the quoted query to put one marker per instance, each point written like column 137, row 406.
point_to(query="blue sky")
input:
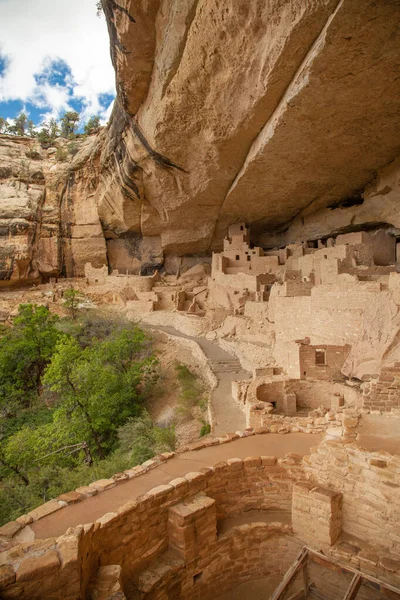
column 54, row 56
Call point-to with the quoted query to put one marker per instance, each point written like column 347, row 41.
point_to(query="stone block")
column 44, row 509
column 268, row 461
column 10, row 529
column 86, row 491
column 102, row 484
column 37, row 567
column 70, row 497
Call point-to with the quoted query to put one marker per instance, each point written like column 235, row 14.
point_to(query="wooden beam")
column 306, row 583
column 290, row 575
column 339, row 567
column 353, row 588
column 325, row 562
column 297, row 596
column 315, row 593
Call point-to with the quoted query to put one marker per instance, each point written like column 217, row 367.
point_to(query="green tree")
column 20, row 125
column 69, row 124
column 53, row 129
column 31, row 128
column 72, row 299
column 25, row 351
column 101, row 386
column 49, row 133
column 4, row 125
column 92, row 125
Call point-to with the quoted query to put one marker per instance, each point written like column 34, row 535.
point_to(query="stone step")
column 231, row 366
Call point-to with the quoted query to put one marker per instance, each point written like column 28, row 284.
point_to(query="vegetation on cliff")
column 72, row 395
column 66, row 128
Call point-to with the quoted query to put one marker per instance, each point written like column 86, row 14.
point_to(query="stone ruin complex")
column 321, row 523
column 275, row 123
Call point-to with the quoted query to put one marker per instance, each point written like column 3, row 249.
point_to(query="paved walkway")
column 227, row 414
column 90, row 509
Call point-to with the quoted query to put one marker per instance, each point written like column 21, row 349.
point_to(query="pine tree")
column 69, row 124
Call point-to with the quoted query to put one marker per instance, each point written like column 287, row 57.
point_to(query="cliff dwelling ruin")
column 241, row 207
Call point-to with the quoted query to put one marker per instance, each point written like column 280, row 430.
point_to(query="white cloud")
column 35, row 32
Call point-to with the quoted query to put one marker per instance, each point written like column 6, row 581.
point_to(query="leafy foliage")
column 72, row 298
column 66, row 389
column 25, row 351
column 69, row 123
column 92, row 125
column 51, row 130
column 144, row 440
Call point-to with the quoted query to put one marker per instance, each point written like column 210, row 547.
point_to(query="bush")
column 33, row 154
column 144, row 440
column 192, row 392
column 205, row 429
column 73, row 148
column 61, row 155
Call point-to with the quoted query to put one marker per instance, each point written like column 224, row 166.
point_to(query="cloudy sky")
column 54, row 56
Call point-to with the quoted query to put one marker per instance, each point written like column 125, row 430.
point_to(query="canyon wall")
column 282, row 114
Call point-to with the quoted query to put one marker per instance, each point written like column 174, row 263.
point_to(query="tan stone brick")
column 102, row 484
column 71, row 497
column 10, row 529
column 251, row 461
column 44, row 509
column 36, row 567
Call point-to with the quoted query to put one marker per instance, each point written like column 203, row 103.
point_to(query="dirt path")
column 227, row 414
column 90, row 509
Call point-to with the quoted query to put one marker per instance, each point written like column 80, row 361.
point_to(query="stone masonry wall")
column 135, row 535
column 331, row 370
column 370, row 485
column 167, row 542
column 383, row 394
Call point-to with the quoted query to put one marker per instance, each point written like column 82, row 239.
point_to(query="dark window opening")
column 241, row 228
column 320, row 357
column 249, row 258
column 237, row 257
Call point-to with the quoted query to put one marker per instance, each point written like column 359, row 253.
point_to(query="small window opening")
column 320, row 357
column 237, row 257
column 241, row 228
column 249, row 258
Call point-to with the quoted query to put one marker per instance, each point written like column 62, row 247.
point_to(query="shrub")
column 205, row 429
column 192, row 392
column 61, row 155
column 144, row 440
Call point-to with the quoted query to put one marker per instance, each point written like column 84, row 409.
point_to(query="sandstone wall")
column 183, row 539
column 370, row 486
column 383, row 394
column 235, row 120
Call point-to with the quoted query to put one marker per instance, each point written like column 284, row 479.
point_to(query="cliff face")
column 49, row 223
column 255, row 111
column 274, row 113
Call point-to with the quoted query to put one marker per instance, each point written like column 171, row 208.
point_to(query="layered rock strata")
column 277, row 114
